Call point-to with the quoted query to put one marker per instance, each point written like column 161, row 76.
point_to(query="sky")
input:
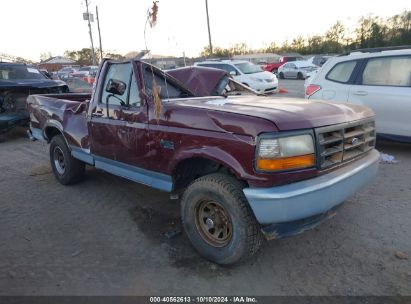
column 32, row 27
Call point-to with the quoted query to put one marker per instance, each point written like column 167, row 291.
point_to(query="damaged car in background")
column 17, row 81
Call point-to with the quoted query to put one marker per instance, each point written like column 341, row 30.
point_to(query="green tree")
column 298, row 44
column 271, row 48
column 84, row 56
column 239, row 49
column 45, row 55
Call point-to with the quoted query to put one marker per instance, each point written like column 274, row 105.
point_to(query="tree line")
column 371, row 31
column 85, row 57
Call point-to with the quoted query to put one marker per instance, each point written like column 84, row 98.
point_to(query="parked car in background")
column 203, row 81
column 296, row 70
column 378, row 78
column 246, row 73
column 78, row 85
column 274, row 66
column 65, row 72
column 318, row 60
column 46, row 73
column 259, row 58
column 17, row 81
column 86, row 73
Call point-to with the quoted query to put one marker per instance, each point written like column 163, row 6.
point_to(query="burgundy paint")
column 225, row 133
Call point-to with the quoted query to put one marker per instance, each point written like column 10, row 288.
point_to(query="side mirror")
column 233, row 73
column 115, row 86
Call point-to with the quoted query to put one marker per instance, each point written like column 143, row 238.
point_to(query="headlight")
column 285, row 153
column 256, row 79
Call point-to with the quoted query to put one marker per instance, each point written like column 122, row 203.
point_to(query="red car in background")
column 273, row 67
column 86, row 73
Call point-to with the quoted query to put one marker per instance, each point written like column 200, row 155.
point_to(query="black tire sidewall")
column 237, row 246
column 66, row 177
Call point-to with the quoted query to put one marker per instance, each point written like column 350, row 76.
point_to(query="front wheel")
column 66, row 169
column 281, row 75
column 300, row 76
column 218, row 220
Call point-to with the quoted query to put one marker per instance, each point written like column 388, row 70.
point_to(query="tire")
column 300, row 76
column 66, row 169
column 281, row 75
column 217, row 200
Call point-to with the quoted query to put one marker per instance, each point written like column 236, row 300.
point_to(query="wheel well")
column 50, row 132
column 190, row 169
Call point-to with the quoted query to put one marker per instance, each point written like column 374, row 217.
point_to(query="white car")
column 296, row 69
column 246, row 73
column 378, row 78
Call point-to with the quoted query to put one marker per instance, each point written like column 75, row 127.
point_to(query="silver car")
column 296, row 69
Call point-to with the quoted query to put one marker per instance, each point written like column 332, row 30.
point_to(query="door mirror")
column 115, row 86
column 233, row 73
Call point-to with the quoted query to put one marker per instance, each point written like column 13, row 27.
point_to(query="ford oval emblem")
column 354, row 141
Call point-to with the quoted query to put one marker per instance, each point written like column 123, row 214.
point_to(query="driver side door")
column 118, row 122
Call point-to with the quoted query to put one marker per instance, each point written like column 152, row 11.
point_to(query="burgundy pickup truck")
column 242, row 166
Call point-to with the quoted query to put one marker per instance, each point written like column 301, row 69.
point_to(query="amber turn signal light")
column 286, row 163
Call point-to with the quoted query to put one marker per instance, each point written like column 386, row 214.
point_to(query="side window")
column 388, row 71
column 341, row 72
column 229, row 68
column 118, row 71
column 134, row 96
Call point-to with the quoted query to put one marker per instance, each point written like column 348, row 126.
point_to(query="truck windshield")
column 248, row 68
column 167, row 87
column 19, row 72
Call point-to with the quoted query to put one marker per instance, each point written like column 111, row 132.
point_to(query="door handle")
column 97, row 114
column 360, row 93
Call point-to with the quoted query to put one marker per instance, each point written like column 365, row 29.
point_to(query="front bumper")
column 265, row 87
column 311, row 197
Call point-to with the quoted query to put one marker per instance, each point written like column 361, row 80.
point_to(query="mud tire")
column 226, row 192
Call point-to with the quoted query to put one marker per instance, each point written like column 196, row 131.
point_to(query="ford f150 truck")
column 244, row 167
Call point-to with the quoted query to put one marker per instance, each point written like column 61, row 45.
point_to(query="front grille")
column 270, row 89
column 342, row 142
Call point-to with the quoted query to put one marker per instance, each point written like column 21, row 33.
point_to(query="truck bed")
column 65, row 111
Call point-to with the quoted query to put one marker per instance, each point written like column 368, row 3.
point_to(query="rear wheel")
column 67, row 169
column 281, row 75
column 300, row 76
column 218, row 220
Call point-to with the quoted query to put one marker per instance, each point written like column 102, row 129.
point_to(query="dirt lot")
column 107, row 236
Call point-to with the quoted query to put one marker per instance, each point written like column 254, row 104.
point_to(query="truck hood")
column 285, row 113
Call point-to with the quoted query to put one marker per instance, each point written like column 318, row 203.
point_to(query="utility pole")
column 99, row 34
column 91, row 35
column 209, row 32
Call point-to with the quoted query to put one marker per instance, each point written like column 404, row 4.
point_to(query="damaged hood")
column 30, row 83
column 285, row 113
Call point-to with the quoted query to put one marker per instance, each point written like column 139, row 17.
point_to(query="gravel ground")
column 108, row 236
